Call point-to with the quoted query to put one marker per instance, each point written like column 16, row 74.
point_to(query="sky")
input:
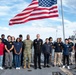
column 45, row 27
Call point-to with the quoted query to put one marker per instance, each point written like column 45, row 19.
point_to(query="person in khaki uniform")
column 27, row 51
column 58, row 51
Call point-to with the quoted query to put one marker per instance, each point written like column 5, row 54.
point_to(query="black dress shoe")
column 6, row 67
column 35, row 67
column 10, row 67
column 40, row 68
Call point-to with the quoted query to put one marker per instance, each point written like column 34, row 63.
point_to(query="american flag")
column 38, row 9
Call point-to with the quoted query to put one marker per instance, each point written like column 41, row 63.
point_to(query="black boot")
column 40, row 67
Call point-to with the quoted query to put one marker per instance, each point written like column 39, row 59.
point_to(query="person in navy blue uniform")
column 47, row 50
column 66, row 48
column 17, row 51
column 37, row 43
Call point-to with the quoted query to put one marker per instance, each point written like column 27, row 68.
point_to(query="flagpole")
column 62, row 21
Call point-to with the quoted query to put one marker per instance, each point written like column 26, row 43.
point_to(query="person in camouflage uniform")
column 27, row 51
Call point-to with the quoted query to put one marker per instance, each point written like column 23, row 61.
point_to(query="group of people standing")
column 17, row 52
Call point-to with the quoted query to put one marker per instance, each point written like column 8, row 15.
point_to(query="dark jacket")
column 71, row 45
column 4, row 41
column 66, row 49
column 52, row 45
column 57, row 47
column 75, row 47
column 38, row 45
column 47, row 49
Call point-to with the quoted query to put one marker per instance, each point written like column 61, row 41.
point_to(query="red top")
column 1, row 48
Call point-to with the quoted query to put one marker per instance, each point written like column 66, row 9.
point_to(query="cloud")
column 4, row 28
column 19, row 6
column 12, row 7
column 4, row 10
column 24, row 30
column 59, row 19
column 2, row 14
column 45, row 32
column 10, row 2
column 71, row 26
column 68, row 5
column 68, row 28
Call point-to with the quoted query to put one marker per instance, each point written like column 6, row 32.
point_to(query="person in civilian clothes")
column 13, row 40
column 1, row 53
column 71, row 50
column 3, row 41
column 37, row 43
column 75, row 55
column 66, row 48
column 61, row 47
column 9, row 53
column 57, row 59
column 51, row 44
column 21, row 38
column 47, row 49
column 18, row 51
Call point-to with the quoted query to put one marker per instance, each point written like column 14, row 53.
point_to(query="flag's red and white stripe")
column 34, row 12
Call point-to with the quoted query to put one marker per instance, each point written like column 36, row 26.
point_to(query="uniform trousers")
column 37, row 57
column 46, row 59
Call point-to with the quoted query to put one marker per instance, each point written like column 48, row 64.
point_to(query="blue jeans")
column 17, row 60
column 1, row 60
